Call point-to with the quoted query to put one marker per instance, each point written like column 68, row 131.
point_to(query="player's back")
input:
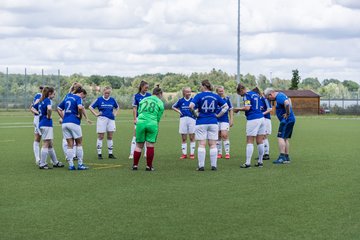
column 43, row 112
column 150, row 109
column 207, row 103
column 70, row 107
column 252, row 100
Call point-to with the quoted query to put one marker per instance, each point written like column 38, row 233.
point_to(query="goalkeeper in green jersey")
column 150, row 111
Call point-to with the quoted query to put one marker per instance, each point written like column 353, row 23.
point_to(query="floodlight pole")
column 238, row 54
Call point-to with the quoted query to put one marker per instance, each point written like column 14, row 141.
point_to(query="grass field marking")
column 25, row 126
column 104, row 165
column 6, row 141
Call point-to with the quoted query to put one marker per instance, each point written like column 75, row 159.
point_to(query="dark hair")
column 41, row 88
column 257, row 90
column 206, row 83
column 83, row 91
column 240, row 87
column 157, row 90
column 142, row 84
column 77, row 89
column 46, row 92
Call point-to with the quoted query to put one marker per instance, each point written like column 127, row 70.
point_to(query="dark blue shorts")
column 285, row 129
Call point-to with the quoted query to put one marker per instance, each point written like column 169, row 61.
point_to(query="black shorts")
column 286, row 129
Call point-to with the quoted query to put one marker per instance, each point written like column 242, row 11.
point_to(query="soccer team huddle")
column 206, row 118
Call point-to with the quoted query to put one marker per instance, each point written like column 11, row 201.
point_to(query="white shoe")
column 131, row 156
column 37, row 162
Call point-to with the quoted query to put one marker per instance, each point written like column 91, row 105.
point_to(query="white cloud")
column 321, row 38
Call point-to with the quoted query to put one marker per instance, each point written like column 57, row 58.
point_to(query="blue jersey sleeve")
column 79, row 101
column 61, row 106
column 95, row 104
column 195, row 101
column 229, row 103
column 134, row 101
column 116, row 105
column 247, row 101
column 281, row 99
column 177, row 104
column 221, row 102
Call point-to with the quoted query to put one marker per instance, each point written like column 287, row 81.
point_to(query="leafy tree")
column 351, row 85
column 295, row 80
column 249, row 81
column 280, row 84
column 331, row 80
column 310, row 83
column 263, row 82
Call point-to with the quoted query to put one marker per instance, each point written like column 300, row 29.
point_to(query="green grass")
column 315, row 197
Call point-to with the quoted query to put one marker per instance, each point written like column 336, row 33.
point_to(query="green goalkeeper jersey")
column 150, row 109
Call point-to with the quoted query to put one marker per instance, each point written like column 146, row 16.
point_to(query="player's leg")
column 252, row 127
column 110, row 129
column 201, row 136
column 133, row 144
column 212, row 136
column 183, row 146
column 150, row 138
column 260, row 142
column 44, row 153
column 140, row 141
column 77, row 135
column 268, row 128
column 36, row 147
column 289, row 130
column 219, row 145
column 191, row 132
column 99, row 144
column 225, row 137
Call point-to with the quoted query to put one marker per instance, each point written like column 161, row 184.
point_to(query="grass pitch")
column 315, row 197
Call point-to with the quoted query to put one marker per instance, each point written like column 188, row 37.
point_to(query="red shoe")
column 227, row 156
column 219, row 156
column 184, row 156
column 192, row 156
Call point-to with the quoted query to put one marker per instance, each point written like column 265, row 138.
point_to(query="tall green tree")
column 295, row 80
column 310, row 83
column 351, row 85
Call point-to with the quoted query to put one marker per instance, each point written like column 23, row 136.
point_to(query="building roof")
column 300, row 93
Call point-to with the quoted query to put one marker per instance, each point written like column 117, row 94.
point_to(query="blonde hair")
column 218, row 88
column 184, row 89
column 74, row 87
column 107, row 88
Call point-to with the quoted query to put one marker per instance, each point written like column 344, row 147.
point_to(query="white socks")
column 201, row 156
column 79, row 154
column 192, row 148
column 44, row 154
column 64, row 146
column 52, row 155
column 184, row 148
column 227, row 146
column 36, row 148
column 266, row 146
column 70, row 156
column 110, row 146
column 249, row 152
column 213, row 157
column 219, row 146
column 260, row 152
column 99, row 146
column 133, row 145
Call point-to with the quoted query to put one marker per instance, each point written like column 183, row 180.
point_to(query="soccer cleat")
column 72, row 168
column 183, row 156
column 213, row 168
column 287, row 160
column 219, row 156
column 278, row 161
column 259, row 165
column 149, row 169
column 131, row 156
column 134, row 167
column 192, row 156
column 200, row 169
column 44, row 167
column 111, row 156
column 266, row 157
column 58, row 165
column 100, row 157
column 82, row 167
column 245, row 166
column 227, row 156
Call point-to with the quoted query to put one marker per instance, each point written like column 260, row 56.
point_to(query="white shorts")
column 47, row 133
column 187, row 125
column 224, row 126
column 268, row 126
column 36, row 125
column 207, row 132
column 105, row 124
column 255, row 127
column 71, row 130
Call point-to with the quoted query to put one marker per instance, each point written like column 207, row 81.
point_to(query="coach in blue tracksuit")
column 287, row 120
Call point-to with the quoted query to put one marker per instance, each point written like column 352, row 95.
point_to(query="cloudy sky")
column 321, row 38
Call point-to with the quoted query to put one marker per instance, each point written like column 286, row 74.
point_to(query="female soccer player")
column 266, row 109
column 207, row 127
column 225, row 122
column 187, row 122
column 46, row 128
column 108, row 109
column 70, row 111
column 37, row 137
column 150, row 112
column 255, row 126
column 142, row 93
